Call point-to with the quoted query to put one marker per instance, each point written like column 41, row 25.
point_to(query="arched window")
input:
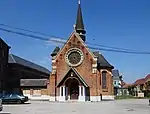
column 104, row 80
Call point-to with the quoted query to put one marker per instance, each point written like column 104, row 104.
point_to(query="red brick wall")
column 62, row 66
column 85, row 70
column 51, row 88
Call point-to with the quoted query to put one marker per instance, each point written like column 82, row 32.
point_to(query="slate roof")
column 116, row 78
column 55, row 51
column 116, row 75
column 15, row 59
column 79, row 21
column 102, row 61
column 33, row 82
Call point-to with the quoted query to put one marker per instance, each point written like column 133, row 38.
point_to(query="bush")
column 148, row 95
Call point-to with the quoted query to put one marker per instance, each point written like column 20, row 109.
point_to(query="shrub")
column 148, row 95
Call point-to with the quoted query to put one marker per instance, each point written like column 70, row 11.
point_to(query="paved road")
column 107, row 107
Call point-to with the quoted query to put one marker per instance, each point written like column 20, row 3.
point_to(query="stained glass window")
column 74, row 58
column 104, row 80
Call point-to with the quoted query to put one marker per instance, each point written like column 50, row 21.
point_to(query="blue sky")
column 119, row 23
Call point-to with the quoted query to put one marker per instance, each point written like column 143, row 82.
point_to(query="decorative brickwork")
column 85, row 70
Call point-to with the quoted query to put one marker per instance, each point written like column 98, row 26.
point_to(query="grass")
column 125, row 97
column 129, row 97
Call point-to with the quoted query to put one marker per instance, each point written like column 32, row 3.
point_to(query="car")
column 1, row 106
column 14, row 98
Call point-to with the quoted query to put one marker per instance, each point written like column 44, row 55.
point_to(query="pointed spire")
column 79, row 22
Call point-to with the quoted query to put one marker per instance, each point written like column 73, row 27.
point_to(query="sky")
column 119, row 23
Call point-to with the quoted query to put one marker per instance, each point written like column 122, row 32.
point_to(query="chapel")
column 78, row 73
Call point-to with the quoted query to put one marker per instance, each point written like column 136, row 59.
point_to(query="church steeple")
column 79, row 27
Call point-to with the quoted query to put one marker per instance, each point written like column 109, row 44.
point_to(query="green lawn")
column 129, row 97
column 125, row 97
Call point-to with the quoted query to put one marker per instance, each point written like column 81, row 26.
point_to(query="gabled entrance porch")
column 72, row 87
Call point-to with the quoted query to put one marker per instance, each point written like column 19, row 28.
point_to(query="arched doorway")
column 72, row 85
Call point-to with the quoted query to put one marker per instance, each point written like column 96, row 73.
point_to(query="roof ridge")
column 11, row 55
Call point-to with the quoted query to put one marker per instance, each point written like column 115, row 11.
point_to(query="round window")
column 74, row 57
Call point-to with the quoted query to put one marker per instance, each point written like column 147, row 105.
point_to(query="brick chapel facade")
column 77, row 72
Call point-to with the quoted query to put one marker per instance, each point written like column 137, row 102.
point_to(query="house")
column 4, row 50
column 125, row 89
column 117, row 82
column 141, row 87
column 78, row 73
column 137, row 87
column 147, row 86
column 139, row 84
column 147, row 83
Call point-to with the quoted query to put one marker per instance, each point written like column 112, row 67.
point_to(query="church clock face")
column 74, row 57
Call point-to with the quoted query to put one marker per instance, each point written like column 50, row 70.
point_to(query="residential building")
column 147, row 86
column 117, row 82
column 141, row 87
column 77, row 72
column 125, row 89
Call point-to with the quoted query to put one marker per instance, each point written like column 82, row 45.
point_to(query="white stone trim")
column 62, row 98
column 52, row 98
column 94, row 65
column 39, row 97
column 108, row 97
column 83, row 90
column 53, row 71
column 81, row 99
column 95, row 98
column 95, row 59
column 64, row 92
column 53, row 61
column 106, row 71
column 94, row 70
column 54, row 67
column 60, row 90
column 74, row 33
column 74, row 50
column 80, row 90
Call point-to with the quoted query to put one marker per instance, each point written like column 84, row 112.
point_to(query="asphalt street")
column 105, row 107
